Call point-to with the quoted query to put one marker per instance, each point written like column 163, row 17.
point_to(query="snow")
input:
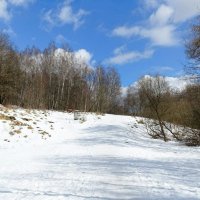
column 106, row 157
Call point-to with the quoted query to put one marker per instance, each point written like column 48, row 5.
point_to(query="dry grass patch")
column 17, row 131
column 30, row 127
column 4, row 117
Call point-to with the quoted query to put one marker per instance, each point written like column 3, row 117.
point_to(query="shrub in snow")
column 192, row 138
column 79, row 116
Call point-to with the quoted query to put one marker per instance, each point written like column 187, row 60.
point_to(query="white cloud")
column 151, row 3
column 161, row 26
column 20, row 2
column 119, row 50
column 124, row 91
column 178, row 83
column 6, row 5
column 83, row 56
column 65, row 15
column 48, row 17
column 175, row 83
column 184, row 9
column 120, row 57
column 125, row 31
column 158, row 35
column 162, row 16
column 4, row 13
column 68, row 16
column 161, row 36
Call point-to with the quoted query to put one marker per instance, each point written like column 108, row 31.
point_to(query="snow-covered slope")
column 47, row 155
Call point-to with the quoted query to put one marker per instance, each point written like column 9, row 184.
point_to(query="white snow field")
column 49, row 156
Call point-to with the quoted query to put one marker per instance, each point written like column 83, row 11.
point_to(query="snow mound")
column 105, row 157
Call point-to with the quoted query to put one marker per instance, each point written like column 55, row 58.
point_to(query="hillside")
column 48, row 155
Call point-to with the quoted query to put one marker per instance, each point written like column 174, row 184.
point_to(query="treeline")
column 55, row 79
column 167, row 113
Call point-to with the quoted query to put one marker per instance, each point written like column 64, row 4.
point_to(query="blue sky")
column 137, row 37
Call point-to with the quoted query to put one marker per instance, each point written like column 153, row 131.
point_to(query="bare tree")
column 154, row 90
column 132, row 101
column 193, row 51
column 113, row 91
column 10, row 72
